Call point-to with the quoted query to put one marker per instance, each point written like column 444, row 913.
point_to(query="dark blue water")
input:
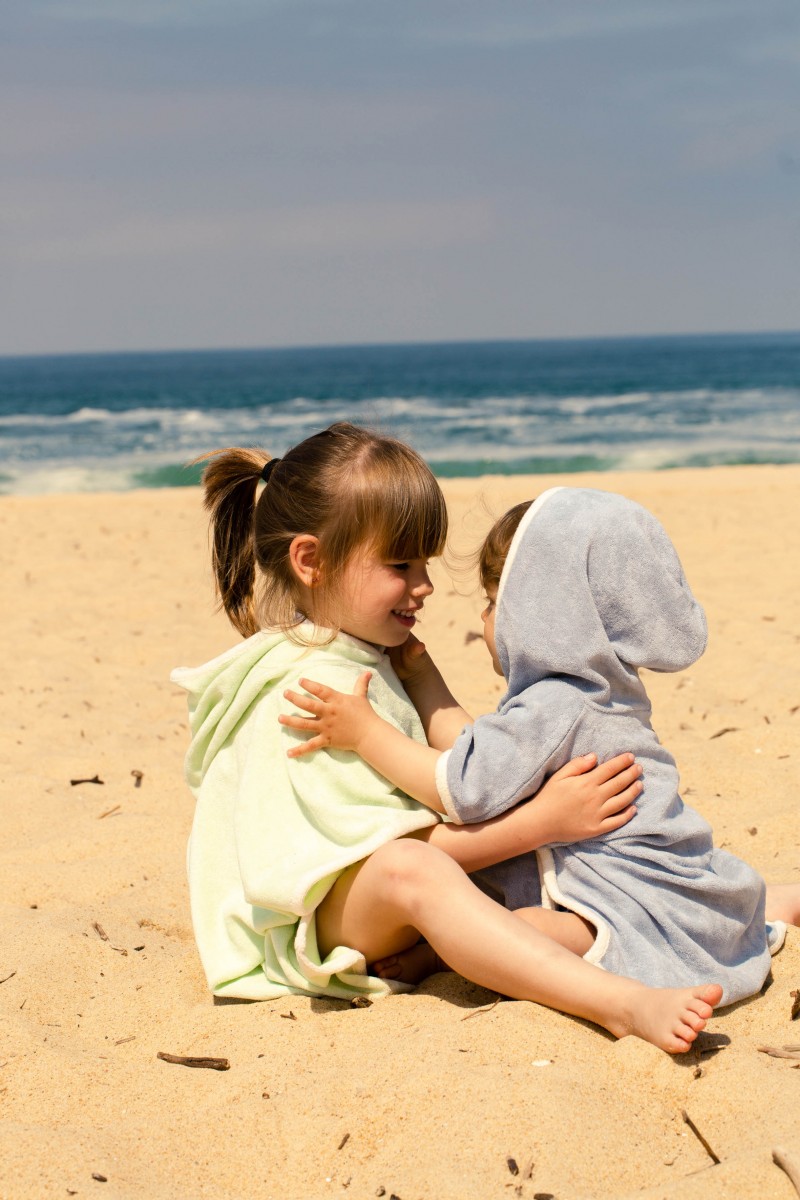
column 117, row 421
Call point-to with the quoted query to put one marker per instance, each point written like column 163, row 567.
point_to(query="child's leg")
column 783, row 902
column 567, row 928
column 420, row 961
column 406, row 888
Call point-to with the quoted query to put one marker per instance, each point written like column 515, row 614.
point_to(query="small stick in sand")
column 94, row 779
column 138, row 776
column 699, row 1136
column 7, row 977
column 779, row 1052
column 795, row 1003
column 710, row 1043
column 480, row 1011
column 344, row 1141
column 102, row 933
column 720, row 732
column 110, row 812
column 212, row 1064
column 787, row 1164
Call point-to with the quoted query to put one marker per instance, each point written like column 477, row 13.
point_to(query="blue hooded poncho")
column 591, row 592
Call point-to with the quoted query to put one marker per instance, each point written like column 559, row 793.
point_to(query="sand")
column 438, row 1094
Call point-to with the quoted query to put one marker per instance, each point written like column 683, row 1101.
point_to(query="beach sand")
column 440, row 1094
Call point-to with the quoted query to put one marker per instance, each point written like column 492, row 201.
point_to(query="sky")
column 227, row 173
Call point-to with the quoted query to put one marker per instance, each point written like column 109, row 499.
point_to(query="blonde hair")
column 346, row 485
column 496, row 545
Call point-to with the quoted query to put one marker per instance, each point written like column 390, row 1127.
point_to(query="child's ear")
column 304, row 555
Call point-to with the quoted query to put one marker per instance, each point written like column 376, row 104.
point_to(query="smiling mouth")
column 406, row 616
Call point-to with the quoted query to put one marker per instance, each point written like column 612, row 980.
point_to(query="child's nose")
column 422, row 585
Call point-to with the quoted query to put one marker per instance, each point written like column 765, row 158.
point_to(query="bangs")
column 405, row 512
column 385, row 499
column 411, row 524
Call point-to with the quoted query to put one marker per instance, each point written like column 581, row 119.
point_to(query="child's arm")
column 578, row 802
column 441, row 715
column 345, row 722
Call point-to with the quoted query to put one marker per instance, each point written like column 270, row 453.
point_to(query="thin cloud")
column 156, row 14
column 518, row 24
column 313, row 231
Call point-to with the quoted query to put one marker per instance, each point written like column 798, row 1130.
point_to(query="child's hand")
column 337, row 720
column 585, row 800
column 409, row 660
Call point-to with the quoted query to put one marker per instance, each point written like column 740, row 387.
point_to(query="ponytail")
column 230, row 482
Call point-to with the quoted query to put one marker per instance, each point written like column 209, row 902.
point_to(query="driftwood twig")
column 478, row 1012
column 787, row 1164
column 212, row 1064
column 94, row 779
column 699, row 1136
column 98, row 928
column 780, row 1052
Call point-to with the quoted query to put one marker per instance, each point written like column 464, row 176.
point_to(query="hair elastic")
column 269, row 467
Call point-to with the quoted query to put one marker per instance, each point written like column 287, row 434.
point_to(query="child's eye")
column 402, row 566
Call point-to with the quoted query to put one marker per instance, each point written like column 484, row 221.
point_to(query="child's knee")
column 409, row 866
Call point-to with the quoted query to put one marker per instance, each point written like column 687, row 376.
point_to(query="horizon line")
column 410, row 343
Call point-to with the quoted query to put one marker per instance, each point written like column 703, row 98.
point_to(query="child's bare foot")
column 783, row 902
column 410, row 966
column 670, row 1018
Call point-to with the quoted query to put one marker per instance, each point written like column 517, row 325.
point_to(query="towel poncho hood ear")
column 592, row 588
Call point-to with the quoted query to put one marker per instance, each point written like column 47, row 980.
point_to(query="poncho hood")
column 593, row 589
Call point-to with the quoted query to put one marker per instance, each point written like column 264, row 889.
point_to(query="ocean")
column 134, row 420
